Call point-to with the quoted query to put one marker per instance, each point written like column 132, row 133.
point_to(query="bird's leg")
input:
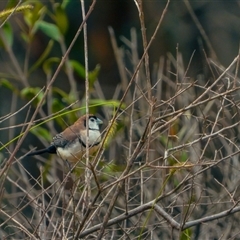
column 69, row 166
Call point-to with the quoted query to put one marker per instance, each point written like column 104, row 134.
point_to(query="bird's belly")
column 75, row 153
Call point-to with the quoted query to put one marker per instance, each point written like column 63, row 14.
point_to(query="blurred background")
column 219, row 19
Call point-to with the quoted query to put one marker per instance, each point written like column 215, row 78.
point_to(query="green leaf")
column 186, row 234
column 48, row 64
column 7, row 84
column 60, row 92
column 29, row 93
column 57, row 105
column 10, row 4
column 31, row 17
column 80, row 70
column 62, row 99
column 42, row 133
column 65, row 3
column 61, row 19
column 50, row 29
column 78, row 67
column 43, row 56
column 107, row 103
column 184, row 156
column 110, row 169
column 8, row 34
column 93, row 75
column 25, row 37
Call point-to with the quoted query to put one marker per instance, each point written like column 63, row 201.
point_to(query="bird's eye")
column 91, row 119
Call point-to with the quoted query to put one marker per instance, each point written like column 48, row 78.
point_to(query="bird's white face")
column 94, row 136
column 93, row 123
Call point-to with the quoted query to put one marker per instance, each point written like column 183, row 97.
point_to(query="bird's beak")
column 99, row 121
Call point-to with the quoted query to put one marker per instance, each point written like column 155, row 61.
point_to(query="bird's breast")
column 75, row 152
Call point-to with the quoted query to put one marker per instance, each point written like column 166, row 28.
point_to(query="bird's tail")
column 50, row 149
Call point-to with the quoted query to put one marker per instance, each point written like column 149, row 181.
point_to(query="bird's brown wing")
column 68, row 136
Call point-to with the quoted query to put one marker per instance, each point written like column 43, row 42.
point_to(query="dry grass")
column 171, row 170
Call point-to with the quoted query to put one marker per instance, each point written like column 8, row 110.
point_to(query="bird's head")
column 93, row 122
